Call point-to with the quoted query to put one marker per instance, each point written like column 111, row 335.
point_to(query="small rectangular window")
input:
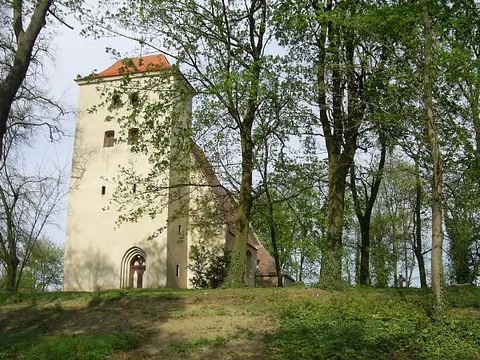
column 109, row 138
column 104, row 189
column 133, row 99
column 134, row 188
column 132, row 136
column 116, row 101
column 178, row 270
column 179, row 229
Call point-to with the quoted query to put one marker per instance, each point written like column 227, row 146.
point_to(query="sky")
column 74, row 55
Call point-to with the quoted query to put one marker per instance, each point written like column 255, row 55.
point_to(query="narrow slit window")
column 178, row 270
column 134, row 188
column 179, row 229
column 109, row 138
column 104, row 189
column 132, row 136
column 133, row 99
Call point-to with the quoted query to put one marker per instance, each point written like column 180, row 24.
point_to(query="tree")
column 437, row 162
column 288, row 219
column 28, row 204
column 418, row 236
column 363, row 209
column 44, row 268
column 18, row 54
column 460, row 96
column 340, row 50
column 283, row 182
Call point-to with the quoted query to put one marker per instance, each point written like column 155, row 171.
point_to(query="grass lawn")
column 292, row 323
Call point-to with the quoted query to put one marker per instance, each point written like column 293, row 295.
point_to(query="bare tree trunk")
column 273, row 233
column 331, row 263
column 405, row 260
column 11, row 269
column 395, row 257
column 437, row 235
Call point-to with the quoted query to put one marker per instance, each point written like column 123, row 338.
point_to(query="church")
column 151, row 251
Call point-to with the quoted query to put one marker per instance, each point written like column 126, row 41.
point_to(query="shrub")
column 209, row 265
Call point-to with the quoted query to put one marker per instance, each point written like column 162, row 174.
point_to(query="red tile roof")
column 266, row 265
column 136, row 65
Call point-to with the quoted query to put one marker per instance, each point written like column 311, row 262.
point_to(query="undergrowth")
column 376, row 325
column 358, row 323
column 38, row 346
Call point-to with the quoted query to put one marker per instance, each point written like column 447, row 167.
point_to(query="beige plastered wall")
column 95, row 245
column 202, row 225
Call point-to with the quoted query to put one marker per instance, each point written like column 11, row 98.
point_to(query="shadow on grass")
column 91, row 328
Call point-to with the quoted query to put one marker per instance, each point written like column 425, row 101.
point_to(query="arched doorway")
column 137, row 269
column 133, row 269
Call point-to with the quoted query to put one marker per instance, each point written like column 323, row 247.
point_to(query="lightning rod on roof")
column 142, row 42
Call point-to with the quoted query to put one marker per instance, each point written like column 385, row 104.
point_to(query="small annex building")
column 99, row 253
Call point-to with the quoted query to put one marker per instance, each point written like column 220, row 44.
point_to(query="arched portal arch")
column 133, row 268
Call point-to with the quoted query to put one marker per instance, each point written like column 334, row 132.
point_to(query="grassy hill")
column 238, row 324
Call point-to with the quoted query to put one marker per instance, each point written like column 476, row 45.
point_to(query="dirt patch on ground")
column 207, row 331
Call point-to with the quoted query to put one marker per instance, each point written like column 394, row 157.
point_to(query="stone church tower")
column 98, row 253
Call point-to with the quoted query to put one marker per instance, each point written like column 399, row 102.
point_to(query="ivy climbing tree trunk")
column 437, row 234
column 340, row 134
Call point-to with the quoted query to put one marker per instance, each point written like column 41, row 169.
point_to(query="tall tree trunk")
column 437, row 235
column 395, row 263
column 340, row 131
column 357, row 256
column 236, row 274
column 257, row 28
column 300, row 272
column 364, row 216
column 273, row 233
column 365, row 252
column 331, row 270
column 418, row 247
column 405, row 261
column 11, row 270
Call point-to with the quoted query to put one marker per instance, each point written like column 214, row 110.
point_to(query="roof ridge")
column 139, row 64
